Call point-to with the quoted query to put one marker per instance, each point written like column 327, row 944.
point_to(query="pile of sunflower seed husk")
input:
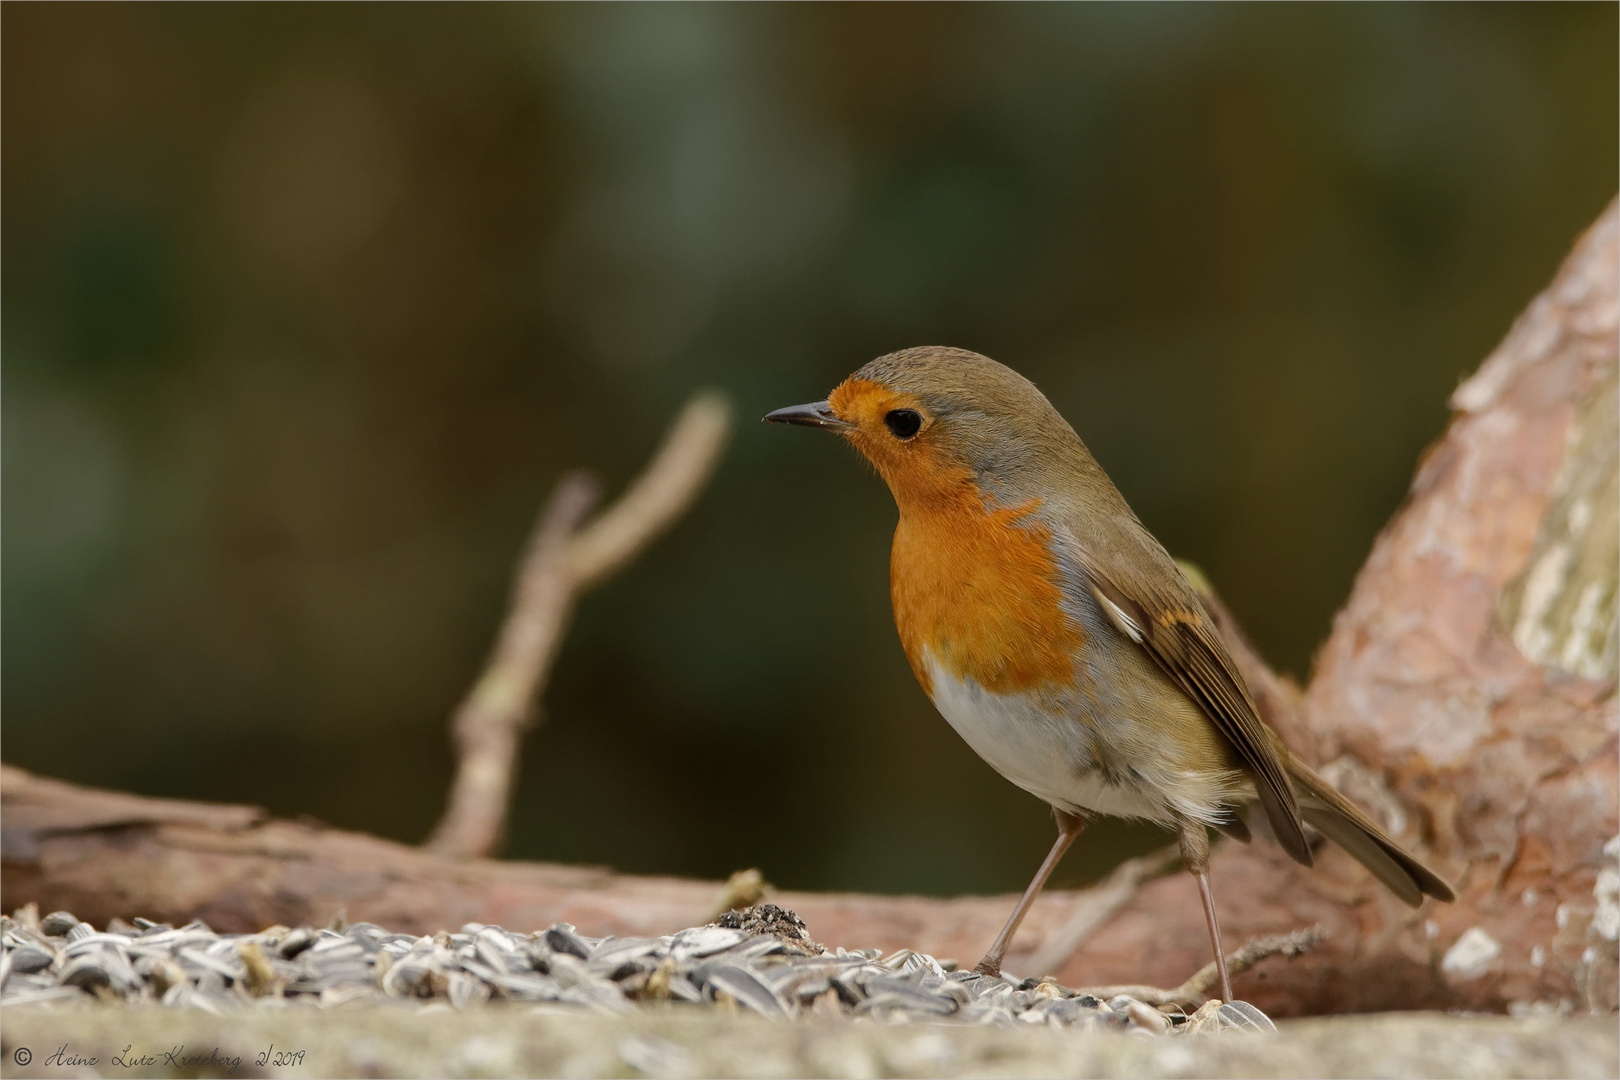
column 761, row 961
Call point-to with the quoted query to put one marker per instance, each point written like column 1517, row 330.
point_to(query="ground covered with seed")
column 759, row 961
column 147, row 999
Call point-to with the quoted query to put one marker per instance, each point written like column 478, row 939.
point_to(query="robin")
column 1057, row 636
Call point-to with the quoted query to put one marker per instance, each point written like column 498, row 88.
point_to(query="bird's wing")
column 1166, row 618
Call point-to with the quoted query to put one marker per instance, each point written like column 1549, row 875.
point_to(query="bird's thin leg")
column 1195, row 853
column 1069, row 826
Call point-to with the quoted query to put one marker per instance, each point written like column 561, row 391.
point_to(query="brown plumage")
column 1057, row 635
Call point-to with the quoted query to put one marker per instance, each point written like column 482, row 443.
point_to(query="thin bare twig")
column 1250, row 953
column 656, row 498
column 561, row 561
column 488, row 725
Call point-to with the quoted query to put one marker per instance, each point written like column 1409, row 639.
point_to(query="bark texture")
column 1466, row 696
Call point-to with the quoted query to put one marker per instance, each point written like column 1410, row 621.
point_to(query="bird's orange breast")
column 978, row 590
column 975, row 588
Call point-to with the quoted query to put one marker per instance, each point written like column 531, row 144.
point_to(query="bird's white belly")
column 1045, row 752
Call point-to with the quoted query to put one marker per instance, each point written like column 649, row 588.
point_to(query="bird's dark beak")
column 816, row 414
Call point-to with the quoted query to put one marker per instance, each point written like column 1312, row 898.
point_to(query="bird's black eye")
column 902, row 423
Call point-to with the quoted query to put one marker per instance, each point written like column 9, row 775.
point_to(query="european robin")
column 1057, row 637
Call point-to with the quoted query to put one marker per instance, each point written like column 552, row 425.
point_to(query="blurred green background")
column 307, row 306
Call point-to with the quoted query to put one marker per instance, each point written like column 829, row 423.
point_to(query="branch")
column 488, row 723
column 656, row 498
column 561, row 562
column 1250, row 953
column 106, row 855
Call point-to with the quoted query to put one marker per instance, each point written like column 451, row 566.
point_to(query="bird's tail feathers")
column 1343, row 822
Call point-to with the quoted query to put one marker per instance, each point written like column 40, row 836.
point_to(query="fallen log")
column 105, row 855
